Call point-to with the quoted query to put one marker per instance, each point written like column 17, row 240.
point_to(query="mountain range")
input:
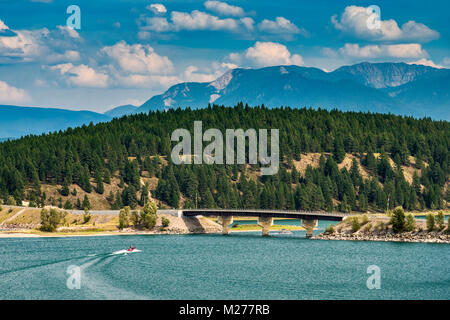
column 398, row 88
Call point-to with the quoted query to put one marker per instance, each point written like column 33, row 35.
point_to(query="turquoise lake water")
column 239, row 266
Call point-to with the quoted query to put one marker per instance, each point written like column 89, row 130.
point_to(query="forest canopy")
column 134, row 146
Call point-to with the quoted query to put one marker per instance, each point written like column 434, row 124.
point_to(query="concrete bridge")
column 265, row 217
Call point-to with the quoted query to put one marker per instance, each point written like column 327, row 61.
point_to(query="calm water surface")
column 239, row 266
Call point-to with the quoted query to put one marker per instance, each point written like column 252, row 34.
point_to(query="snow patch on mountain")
column 214, row 97
column 223, row 81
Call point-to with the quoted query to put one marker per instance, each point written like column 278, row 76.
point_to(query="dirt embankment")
column 379, row 228
column 27, row 221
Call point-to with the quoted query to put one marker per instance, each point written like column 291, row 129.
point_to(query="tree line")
column 139, row 145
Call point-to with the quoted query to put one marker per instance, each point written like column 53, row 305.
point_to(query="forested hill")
column 120, row 161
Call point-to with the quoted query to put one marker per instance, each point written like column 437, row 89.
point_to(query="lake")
column 239, row 266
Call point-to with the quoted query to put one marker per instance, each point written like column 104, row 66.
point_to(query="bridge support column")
column 309, row 225
column 225, row 221
column 265, row 223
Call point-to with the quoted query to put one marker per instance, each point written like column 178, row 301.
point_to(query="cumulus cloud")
column 427, row 62
column 410, row 50
column 121, row 65
column 157, row 8
column 280, row 26
column 81, row 75
column 143, row 80
column 354, row 21
column 138, row 58
column 197, row 20
column 192, row 74
column 38, row 45
column 12, row 95
column 233, row 20
column 264, row 54
column 194, row 21
column 224, row 9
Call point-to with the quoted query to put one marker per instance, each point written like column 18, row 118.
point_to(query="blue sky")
column 127, row 51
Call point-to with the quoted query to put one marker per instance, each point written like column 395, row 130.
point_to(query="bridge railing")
column 269, row 211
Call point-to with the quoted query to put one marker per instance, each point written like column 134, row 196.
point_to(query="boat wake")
column 125, row 251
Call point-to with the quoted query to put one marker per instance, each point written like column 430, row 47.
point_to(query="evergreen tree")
column 86, row 203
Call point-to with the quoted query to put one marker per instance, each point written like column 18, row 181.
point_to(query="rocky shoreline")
column 379, row 228
column 425, row 238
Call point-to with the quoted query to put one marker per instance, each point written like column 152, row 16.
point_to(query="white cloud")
column 143, row 81
column 192, row 74
column 138, row 59
column 12, row 95
column 354, row 21
column 3, row 26
column 37, row 45
column 410, row 50
column 197, row 20
column 280, row 26
column 69, row 56
column 157, row 8
column 123, row 65
column 427, row 62
column 81, row 75
column 248, row 23
column 271, row 54
column 228, row 65
column 194, row 21
column 157, row 24
column 223, row 8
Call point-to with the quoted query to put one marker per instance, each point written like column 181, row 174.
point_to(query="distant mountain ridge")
column 120, row 111
column 18, row 121
column 397, row 88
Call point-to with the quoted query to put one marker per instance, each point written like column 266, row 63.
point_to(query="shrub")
column 50, row 220
column 430, row 222
column 398, row 220
column 355, row 224
column 368, row 227
column 439, row 220
column 165, row 222
column 148, row 215
column 1, row 208
column 365, row 219
column 86, row 216
column 11, row 201
column 124, row 218
column 329, row 229
column 67, row 205
column 410, row 224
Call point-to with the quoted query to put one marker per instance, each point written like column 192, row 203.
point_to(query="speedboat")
column 129, row 250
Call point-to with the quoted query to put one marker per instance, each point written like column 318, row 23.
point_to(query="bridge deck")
column 316, row 215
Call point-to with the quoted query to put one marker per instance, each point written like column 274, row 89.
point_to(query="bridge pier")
column 309, row 225
column 265, row 223
column 225, row 221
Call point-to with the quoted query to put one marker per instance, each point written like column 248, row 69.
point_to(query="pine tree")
column 65, row 189
column 86, row 203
